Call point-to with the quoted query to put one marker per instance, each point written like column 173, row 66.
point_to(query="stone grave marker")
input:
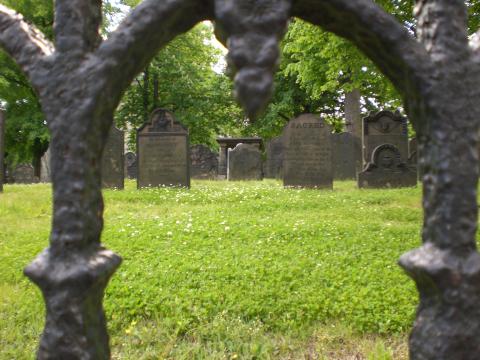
column 2, row 150
column 384, row 127
column 24, row 174
column 131, row 165
column 163, row 152
column 45, row 171
column 308, row 153
column 387, row 170
column 230, row 143
column 274, row 164
column 244, row 163
column 203, row 162
column 113, row 161
column 344, row 159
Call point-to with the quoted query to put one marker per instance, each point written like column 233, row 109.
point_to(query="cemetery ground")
column 237, row 270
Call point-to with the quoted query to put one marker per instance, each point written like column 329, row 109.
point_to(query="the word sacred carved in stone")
column 387, row 170
column 163, row 157
column 244, row 163
column 113, row 160
column 308, row 153
column 385, row 127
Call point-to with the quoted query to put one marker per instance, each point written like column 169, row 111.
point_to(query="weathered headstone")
column 113, row 161
column 203, row 162
column 24, row 174
column 2, row 149
column 353, row 124
column 45, row 171
column 163, row 152
column 387, row 170
column 274, row 164
column 131, row 165
column 308, row 153
column 344, row 160
column 385, row 127
column 244, row 163
column 230, row 143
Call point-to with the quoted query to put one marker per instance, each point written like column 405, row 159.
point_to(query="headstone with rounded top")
column 387, row 170
column 307, row 161
column 244, row 163
column 163, row 148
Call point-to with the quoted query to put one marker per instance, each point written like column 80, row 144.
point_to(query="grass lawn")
column 232, row 271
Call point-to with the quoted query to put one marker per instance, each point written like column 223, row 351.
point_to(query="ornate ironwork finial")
column 252, row 29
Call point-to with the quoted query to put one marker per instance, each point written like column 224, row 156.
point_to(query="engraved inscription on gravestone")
column 387, row 170
column 112, row 160
column 131, row 165
column 163, row 157
column 308, row 153
column 344, row 159
column 385, row 127
column 244, row 163
column 274, row 165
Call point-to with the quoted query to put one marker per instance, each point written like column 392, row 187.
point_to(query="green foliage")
column 280, row 261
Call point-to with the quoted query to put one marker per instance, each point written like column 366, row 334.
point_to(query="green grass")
column 232, row 270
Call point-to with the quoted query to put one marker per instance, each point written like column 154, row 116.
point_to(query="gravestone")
column 387, row 170
column 112, row 160
column 24, row 174
column 131, row 165
column 385, row 127
column 344, row 159
column 230, row 143
column 244, row 163
column 274, row 164
column 45, row 171
column 163, row 152
column 308, row 153
column 2, row 150
column 203, row 162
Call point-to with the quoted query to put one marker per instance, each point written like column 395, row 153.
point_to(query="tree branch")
column 149, row 27
column 24, row 43
column 76, row 27
column 379, row 35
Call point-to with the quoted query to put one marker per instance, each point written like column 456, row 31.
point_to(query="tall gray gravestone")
column 203, row 162
column 308, row 153
column 244, row 163
column 45, row 170
column 112, row 160
column 386, row 169
column 274, row 164
column 385, row 127
column 130, row 165
column 163, row 157
column 344, row 156
column 2, row 149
